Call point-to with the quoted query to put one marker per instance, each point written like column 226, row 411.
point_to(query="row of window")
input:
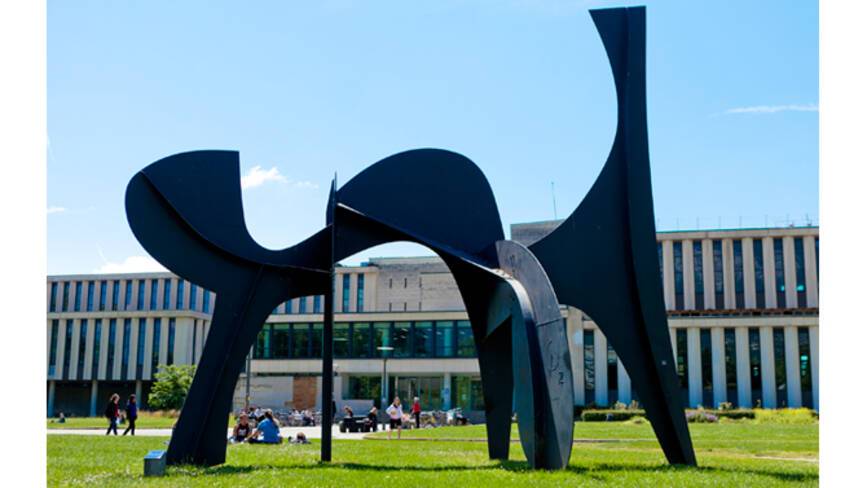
column 95, row 343
column 758, row 273
column 463, row 391
column 419, row 339
column 731, row 360
column 67, row 296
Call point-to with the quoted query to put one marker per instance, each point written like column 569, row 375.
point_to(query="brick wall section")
column 304, row 392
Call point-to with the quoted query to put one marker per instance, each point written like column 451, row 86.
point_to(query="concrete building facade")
column 742, row 305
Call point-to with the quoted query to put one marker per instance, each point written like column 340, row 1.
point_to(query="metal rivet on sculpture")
column 186, row 211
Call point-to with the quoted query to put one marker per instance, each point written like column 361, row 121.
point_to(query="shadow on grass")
column 595, row 471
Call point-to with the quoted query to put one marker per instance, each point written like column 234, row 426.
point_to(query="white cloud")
column 772, row 109
column 55, row 209
column 258, row 177
column 132, row 264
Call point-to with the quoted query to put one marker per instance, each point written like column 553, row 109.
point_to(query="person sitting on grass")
column 268, row 429
column 242, row 429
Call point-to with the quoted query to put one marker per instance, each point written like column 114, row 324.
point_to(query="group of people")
column 395, row 415
column 113, row 414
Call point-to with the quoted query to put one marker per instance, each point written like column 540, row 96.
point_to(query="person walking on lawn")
column 131, row 415
column 416, row 412
column 112, row 412
column 395, row 416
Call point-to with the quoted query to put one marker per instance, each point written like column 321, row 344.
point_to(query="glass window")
column 345, row 292
column 193, row 291
column 115, row 294
column 731, row 360
column 612, row 373
column 140, row 298
column 263, row 343
column 780, row 366
column 678, row 275
column 589, row 368
column 756, row 367
column 170, row 352
column 445, row 339
column 67, row 349
column 154, row 290
column 779, row 273
column 341, row 339
column 52, row 300
column 359, row 295
column 300, row 340
column 362, row 339
column 179, row 303
column 683, row 365
column 805, row 367
column 466, row 343
column 65, row 296
column 280, row 341
column 316, row 340
column 739, row 273
column 206, row 302
column 124, row 362
column 112, row 334
column 706, row 369
column 287, row 307
column 467, row 393
column 155, row 346
column 103, row 293
column 167, row 294
column 661, row 265
column 382, row 338
column 317, row 304
column 698, row 274
column 423, row 340
column 90, row 292
column 719, row 292
column 800, row 273
column 82, row 347
column 302, row 305
column 193, row 345
column 366, row 388
column 401, row 343
column 77, row 305
column 139, row 359
column 759, row 270
column 52, row 350
column 95, row 346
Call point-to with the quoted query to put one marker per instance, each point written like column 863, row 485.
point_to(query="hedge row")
column 621, row 415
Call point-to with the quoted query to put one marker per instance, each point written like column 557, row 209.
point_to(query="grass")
column 146, row 420
column 732, row 454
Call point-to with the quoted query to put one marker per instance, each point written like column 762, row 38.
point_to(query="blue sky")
column 523, row 88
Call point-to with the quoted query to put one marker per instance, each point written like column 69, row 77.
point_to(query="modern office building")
column 742, row 305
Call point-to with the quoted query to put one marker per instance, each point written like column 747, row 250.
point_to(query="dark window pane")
column 280, row 341
column 341, row 339
column 683, row 365
column 780, row 367
column 423, row 340
column 155, row 346
column 589, row 368
column 67, row 349
column 800, row 273
column 124, row 365
column 698, row 274
column 154, row 289
column 805, row 367
column 445, row 339
column 52, row 354
column 82, row 347
column 179, row 301
column 316, row 340
column 756, row 367
column 170, row 351
column 759, row 272
column 718, row 284
column 678, row 275
column 706, row 369
column 739, row 273
column 466, row 343
column 345, row 292
column 52, row 301
column 300, row 340
column 109, row 363
column 401, row 340
column 362, row 340
column 262, row 348
column 359, row 296
column 90, row 293
column 103, row 292
column 731, row 361
column 779, row 273
column 95, row 346
column 382, row 338
column 115, row 294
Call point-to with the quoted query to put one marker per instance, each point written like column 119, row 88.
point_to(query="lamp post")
column 384, row 388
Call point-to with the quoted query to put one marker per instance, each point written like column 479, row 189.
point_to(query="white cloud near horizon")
column 772, row 109
column 55, row 209
column 258, row 177
column 132, row 264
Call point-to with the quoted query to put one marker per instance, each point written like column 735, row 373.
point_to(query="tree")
column 171, row 387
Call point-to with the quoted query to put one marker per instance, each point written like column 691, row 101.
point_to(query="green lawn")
column 728, row 454
column 146, row 420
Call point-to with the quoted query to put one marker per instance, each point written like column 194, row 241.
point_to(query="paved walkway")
column 310, row 432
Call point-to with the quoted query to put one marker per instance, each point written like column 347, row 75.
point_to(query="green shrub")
column 610, row 415
column 786, row 416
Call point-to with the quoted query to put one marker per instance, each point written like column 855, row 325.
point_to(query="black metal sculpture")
column 186, row 211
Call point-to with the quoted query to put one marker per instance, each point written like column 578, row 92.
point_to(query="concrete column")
column 769, row 379
column 814, row 364
column 624, row 384
column 147, row 295
column 133, row 349
column 338, row 296
column 73, row 349
column 447, row 380
column 749, row 273
column 51, row 398
column 61, row 343
column 93, row 398
column 600, row 353
column 88, row 350
column 810, row 271
column 102, row 372
column 668, row 273
column 146, row 373
column 770, row 277
column 742, row 349
column 118, row 350
column 707, row 264
column 789, row 268
column 575, row 333
column 353, row 292
column 717, row 351
column 693, row 353
column 688, row 276
column 164, row 342
column 138, row 398
column 728, row 256
column 673, row 334
column 109, row 295
column 793, row 376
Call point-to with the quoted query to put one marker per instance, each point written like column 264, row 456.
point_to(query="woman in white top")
column 395, row 415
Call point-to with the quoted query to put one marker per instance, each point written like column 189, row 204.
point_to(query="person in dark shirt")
column 131, row 415
column 112, row 412
column 242, row 429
